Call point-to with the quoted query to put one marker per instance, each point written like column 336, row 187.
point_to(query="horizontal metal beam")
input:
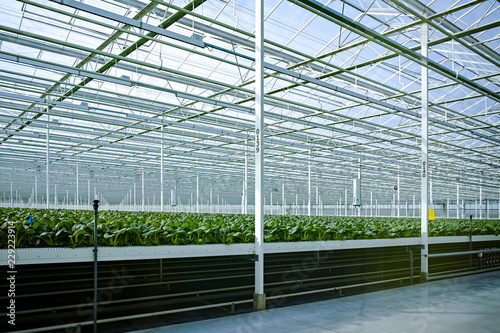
column 128, row 21
column 362, row 30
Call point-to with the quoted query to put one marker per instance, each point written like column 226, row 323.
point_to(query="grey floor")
column 469, row 304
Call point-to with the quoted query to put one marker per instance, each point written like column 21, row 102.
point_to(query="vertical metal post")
column 55, row 196
column 309, row 187
column 447, row 208
column 88, row 190
column 470, row 242
column 283, row 206
column 480, row 202
column 399, row 197
column 296, row 204
column 487, row 209
column 197, row 194
column 458, row 201
column 371, row 203
column 161, row 270
column 77, row 201
column 259, row 295
column 245, row 184
column 134, row 198
column 411, row 266
column 96, row 207
column 161, row 172
column 210, row 202
column 346, row 201
column 463, row 208
column 424, row 218
column 142, row 190
column 317, row 198
column 47, row 163
column 413, row 206
column 36, row 192
column 11, row 196
column 271, row 200
column 393, row 209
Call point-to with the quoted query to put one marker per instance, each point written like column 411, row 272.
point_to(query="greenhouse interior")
column 285, row 128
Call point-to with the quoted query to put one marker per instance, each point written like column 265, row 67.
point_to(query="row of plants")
column 74, row 228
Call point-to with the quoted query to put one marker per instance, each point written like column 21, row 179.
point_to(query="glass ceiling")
column 108, row 79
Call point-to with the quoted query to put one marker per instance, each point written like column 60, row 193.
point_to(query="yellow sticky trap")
column 432, row 216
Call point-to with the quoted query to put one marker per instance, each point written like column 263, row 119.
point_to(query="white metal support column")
column 36, row 192
column 11, row 197
column 424, row 219
column 309, row 187
column 346, row 202
column 371, row 203
column 135, row 201
column 161, row 172
column 77, row 201
column 413, row 206
column 458, row 201
column 47, row 163
column 317, row 197
column 480, row 202
column 88, row 193
column 447, row 208
column 399, row 193
column 245, row 183
column 259, row 299
column 142, row 190
column 487, row 209
column 283, row 210
column 197, row 193
column 296, row 204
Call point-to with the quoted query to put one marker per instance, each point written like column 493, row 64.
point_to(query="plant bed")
column 74, row 228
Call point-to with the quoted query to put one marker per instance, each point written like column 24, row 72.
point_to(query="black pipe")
column 96, row 207
column 470, row 243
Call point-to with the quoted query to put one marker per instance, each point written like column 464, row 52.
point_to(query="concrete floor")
column 469, row 304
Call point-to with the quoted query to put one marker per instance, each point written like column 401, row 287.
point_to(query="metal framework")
column 66, row 255
column 101, row 96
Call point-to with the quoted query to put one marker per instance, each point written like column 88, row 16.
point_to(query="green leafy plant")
column 74, row 228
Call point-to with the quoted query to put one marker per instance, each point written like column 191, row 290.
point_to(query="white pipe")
column 309, row 187
column 245, row 184
column 259, row 154
column 161, row 173
column 47, row 163
column 36, row 192
column 77, row 201
column 424, row 218
column 480, row 202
